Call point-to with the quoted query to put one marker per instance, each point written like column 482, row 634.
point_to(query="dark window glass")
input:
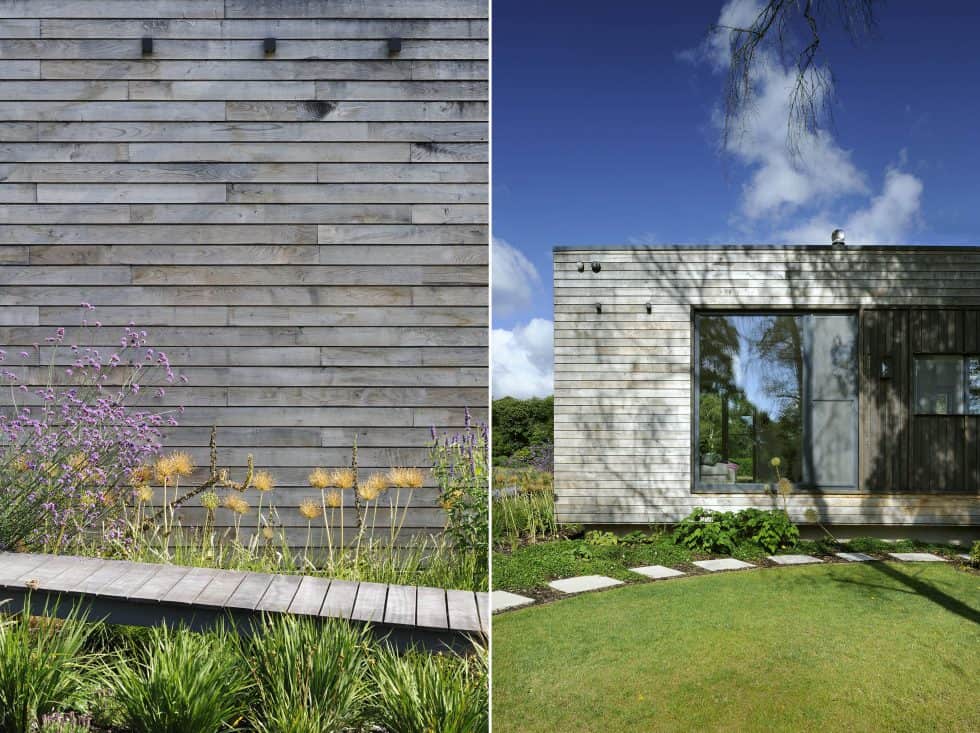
column 939, row 385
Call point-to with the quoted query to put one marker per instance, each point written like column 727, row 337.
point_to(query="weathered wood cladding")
column 305, row 233
column 624, row 375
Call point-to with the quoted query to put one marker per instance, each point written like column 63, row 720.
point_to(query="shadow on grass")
column 921, row 588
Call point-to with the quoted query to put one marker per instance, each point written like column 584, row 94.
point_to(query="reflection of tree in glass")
column 751, row 377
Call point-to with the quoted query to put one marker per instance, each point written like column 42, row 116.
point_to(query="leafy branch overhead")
column 793, row 30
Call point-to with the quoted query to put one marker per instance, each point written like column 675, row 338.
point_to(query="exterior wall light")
column 649, row 307
column 598, row 307
column 269, row 46
column 146, row 47
column 581, row 267
column 596, row 267
column 394, row 45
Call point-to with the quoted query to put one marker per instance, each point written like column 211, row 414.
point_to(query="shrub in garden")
column 310, row 676
column 460, row 465
column 43, row 668
column 721, row 532
column 975, row 554
column 420, row 693
column 178, row 681
column 65, row 462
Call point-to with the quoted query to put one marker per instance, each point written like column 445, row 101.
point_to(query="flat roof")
column 924, row 248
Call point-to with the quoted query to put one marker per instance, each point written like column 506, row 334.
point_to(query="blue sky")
column 604, row 133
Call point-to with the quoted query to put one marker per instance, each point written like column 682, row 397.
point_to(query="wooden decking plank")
column 250, row 591
column 160, row 584
column 483, row 608
column 339, row 602
column 48, row 570
column 400, row 607
column 69, row 579
column 309, row 596
column 430, row 608
column 109, row 571
column 121, row 586
column 463, row 615
column 190, row 586
column 279, row 594
column 370, row 602
column 13, row 564
column 220, row 589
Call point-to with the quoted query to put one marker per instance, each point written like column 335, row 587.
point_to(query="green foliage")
column 975, row 554
column 770, row 530
column 707, row 531
column 724, row 532
column 460, row 464
column 519, row 424
column 532, row 566
column 44, row 668
column 66, row 723
column 524, row 517
column 179, row 681
column 601, row 539
column 424, row 693
column 310, row 676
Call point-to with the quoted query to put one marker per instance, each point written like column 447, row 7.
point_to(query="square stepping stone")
column 657, row 571
column 583, row 583
column 725, row 563
column 794, row 559
column 854, row 556
column 501, row 600
column 916, row 557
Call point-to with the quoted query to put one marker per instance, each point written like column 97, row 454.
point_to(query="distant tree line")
column 522, row 429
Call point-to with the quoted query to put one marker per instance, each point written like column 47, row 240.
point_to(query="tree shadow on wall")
column 638, row 444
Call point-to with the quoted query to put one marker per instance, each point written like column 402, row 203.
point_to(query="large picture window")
column 776, row 386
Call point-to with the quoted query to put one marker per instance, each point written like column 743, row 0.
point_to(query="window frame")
column 699, row 487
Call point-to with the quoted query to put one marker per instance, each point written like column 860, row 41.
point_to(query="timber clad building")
column 701, row 376
column 290, row 196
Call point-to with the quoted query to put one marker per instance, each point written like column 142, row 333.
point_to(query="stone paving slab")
column 794, row 559
column 854, row 556
column 501, row 600
column 583, row 583
column 916, row 557
column 725, row 563
column 657, row 571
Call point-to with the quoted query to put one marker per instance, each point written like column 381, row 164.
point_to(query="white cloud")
column 783, row 187
column 886, row 219
column 523, row 360
column 514, row 279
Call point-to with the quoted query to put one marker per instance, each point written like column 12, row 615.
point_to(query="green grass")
column 530, row 566
column 862, row 647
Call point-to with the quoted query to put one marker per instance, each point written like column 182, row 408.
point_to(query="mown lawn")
column 857, row 647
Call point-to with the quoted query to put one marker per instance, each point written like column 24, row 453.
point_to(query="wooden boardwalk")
column 148, row 594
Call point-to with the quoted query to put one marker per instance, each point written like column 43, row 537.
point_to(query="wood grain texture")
column 148, row 595
column 624, row 377
column 306, row 234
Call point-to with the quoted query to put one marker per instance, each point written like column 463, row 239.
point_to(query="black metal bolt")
column 269, row 46
column 147, row 45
